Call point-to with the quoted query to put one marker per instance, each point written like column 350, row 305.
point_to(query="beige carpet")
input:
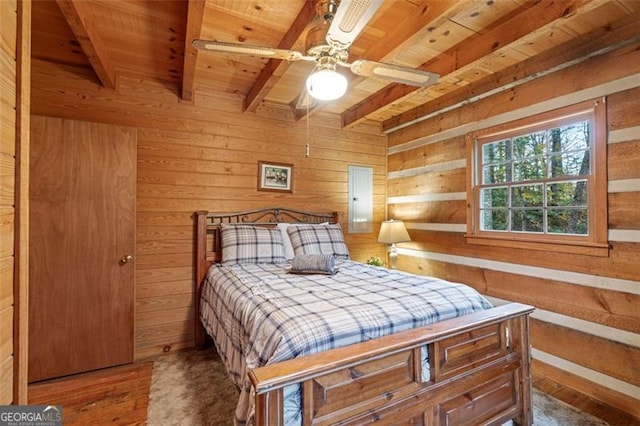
column 192, row 388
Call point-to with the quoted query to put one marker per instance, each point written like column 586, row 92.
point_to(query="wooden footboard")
column 479, row 374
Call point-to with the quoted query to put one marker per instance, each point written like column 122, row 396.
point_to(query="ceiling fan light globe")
column 326, row 85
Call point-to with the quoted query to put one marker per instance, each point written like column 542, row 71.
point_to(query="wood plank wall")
column 585, row 331
column 14, row 167
column 204, row 156
column 7, row 195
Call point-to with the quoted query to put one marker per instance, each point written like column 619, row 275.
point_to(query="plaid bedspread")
column 260, row 313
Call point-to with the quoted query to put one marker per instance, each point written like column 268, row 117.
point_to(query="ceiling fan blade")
column 413, row 77
column 350, row 18
column 243, row 49
column 305, row 100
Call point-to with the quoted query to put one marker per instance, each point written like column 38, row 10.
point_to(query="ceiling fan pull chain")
column 308, row 140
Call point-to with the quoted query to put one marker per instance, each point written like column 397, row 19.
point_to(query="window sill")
column 587, row 248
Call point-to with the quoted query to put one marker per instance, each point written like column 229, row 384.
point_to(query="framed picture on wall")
column 275, row 177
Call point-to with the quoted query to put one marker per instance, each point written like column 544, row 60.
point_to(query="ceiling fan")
column 328, row 40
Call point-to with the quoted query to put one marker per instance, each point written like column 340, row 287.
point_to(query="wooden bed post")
column 523, row 348
column 201, row 271
column 269, row 408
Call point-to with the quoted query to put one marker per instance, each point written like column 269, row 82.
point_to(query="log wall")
column 585, row 331
column 204, row 156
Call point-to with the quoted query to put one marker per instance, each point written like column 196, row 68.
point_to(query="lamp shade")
column 326, row 84
column 393, row 231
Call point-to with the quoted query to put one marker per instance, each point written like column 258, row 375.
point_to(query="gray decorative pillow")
column 323, row 239
column 251, row 244
column 313, row 264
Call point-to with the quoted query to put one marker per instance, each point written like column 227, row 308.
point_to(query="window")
column 540, row 182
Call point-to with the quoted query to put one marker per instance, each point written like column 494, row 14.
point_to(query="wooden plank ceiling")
column 474, row 46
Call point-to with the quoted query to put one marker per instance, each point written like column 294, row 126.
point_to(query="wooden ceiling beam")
column 78, row 15
column 625, row 30
column 195, row 16
column 275, row 68
column 415, row 27
column 532, row 19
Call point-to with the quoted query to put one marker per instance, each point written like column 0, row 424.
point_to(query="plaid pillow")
column 325, row 239
column 251, row 244
column 288, row 249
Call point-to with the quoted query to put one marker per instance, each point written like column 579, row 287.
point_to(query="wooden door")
column 82, row 223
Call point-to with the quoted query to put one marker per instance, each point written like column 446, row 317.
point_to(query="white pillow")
column 286, row 241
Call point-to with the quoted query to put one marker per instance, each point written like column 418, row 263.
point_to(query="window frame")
column 596, row 241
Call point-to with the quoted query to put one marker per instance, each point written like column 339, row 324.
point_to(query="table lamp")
column 392, row 232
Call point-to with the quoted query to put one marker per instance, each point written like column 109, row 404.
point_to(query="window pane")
column 496, row 173
column 494, row 197
column 527, row 196
column 527, row 220
column 496, row 152
column 570, row 164
column 529, row 169
column 568, row 221
column 529, row 145
column 572, row 137
column 493, row 220
column 563, row 194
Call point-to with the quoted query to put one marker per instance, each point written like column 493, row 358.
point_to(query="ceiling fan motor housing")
column 326, row 9
column 316, row 39
column 316, row 42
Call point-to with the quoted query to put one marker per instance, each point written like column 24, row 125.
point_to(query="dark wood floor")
column 611, row 415
column 120, row 395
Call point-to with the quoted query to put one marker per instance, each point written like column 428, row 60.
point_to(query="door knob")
column 126, row 259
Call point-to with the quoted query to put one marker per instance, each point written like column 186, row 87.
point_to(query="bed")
column 462, row 362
